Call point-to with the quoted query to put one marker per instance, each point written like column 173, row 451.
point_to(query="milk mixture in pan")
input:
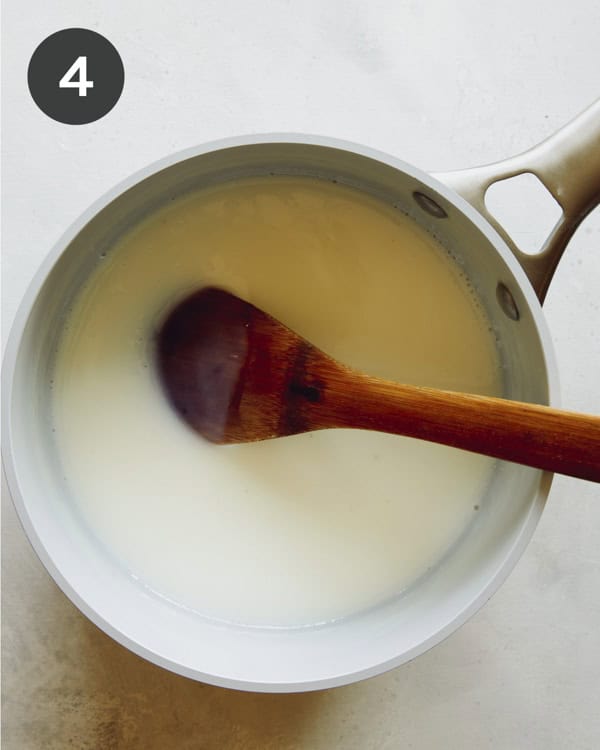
column 287, row 532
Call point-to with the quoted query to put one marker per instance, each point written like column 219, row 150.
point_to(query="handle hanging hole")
column 525, row 209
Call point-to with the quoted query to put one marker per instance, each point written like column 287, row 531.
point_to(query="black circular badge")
column 76, row 76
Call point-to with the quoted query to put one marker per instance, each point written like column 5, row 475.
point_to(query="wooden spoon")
column 235, row 374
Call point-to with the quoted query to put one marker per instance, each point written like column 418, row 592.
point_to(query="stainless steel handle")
column 568, row 164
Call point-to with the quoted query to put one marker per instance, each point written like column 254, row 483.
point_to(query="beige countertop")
column 440, row 85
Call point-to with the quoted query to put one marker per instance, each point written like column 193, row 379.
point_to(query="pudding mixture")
column 288, row 532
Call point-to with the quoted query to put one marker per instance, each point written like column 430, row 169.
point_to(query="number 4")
column 68, row 80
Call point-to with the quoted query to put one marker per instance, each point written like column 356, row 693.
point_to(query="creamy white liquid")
column 298, row 530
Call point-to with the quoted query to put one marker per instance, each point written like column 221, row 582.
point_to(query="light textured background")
column 440, row 84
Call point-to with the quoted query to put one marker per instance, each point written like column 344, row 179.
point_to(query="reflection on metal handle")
column 568, row 164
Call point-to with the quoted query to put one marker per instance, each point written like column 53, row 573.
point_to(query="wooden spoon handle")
column 538, row 436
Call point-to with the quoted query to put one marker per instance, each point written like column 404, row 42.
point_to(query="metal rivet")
column 507, row 301
column 429, row 205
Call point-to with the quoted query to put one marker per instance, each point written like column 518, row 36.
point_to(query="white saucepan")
column 511, row 286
